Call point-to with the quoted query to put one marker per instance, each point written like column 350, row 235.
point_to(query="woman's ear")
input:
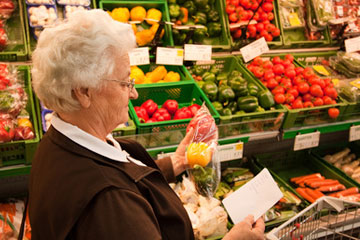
column 83, row 95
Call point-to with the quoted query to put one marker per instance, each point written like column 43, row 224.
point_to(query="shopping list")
column 255, row 197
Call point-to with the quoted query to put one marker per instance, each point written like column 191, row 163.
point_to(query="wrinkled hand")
column 246, row 231
column 178, row 158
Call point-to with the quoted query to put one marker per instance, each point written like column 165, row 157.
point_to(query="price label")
column 169, row 56
column 354, row 133
column 230, row 151
column 254, row 49
column 352, row 44
column 205, row 62
column 321, row 69
column 139, row 56
column 308, row 140
column 195, row 52
column 335, row 81
column 340, row 10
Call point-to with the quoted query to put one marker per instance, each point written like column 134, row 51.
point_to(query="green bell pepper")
column 221, row 76
column 200, row 34
column 218, row 106
column 214, row 69
column 248, row 103
column 235, row 73
column 205, row 9
column 240, row 88
column 198, row 70
column 226, row 95
column 213, row 16
column 241, row 112
column 200, row 3
column 259, row 109
column 208, row 76
column 223, row 83
column 214, row 29
column 226, row 112
column 200, row 84
column 253, row 89
column 174, row 10
column 200, row 18
column 233, row 107
column 211, row 90
column 266, row 99
column 190, row 6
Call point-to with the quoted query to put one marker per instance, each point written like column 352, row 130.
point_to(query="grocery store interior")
column 280, row 79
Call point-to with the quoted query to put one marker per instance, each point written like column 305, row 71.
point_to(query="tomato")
column 333, row 113
column 264, row 16
column 303, row 87
column 257, row 61
column 331, row 92
column 267, row 7
column 294, row 92
column 289, row 57
column 276, row 32
column 259, row 27
column 289, row 98
column 230, row 9
column 286, row 83
column 307, row 97
column 279, row 98
column 271, row 16
column 298, row 79
column 256, row 16
column 267, row 64
column 316, row 91
column 272, row 83
column 290, row 73
column 235, row 2
column 276, row 60
column 252, row 28
column 249, row 14
column 278, row 69
column 314, row 80
column 286, row 63
column 258, row 72
column 278, row 89
column 263, row 33
column 278, row 78
column 269, row 75
column 297, row 104
column 308, row 104
column 239, row 9
column 322, row 83
column 288, row 106
column 308, row 72
column 237, row 34
column 299, row 70
column 268, row 37
column 269, row 27
column 327, row 100
column 233, row 17
column 254, row 6
column 318, row 102
column 243, row 15
column 244, row 3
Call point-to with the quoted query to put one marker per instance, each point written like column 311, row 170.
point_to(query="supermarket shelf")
column 15, row 170
column 296, row 50
column 323, row 128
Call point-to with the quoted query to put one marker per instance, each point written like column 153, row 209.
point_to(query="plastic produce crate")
column 16, row 49
column 22, row 152
column 322, row 151
column 167, row 39
column 250, row 122
column 287, row 165
column 184, row 92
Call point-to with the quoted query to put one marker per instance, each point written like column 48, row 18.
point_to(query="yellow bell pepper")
column 198, row 153
column 154, row 14
column 147, row 80
column 24, row 122
column 155, row 27
column 172, row 77
column 158, row 74
column 138, row 13
column 137, row 74
column 120, row 14
column 144, row 37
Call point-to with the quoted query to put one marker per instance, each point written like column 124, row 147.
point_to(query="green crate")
column 125, row 131
column 275, row 43
column 287, row 165
column 184, row 73
column 22, row 152
column 160, row 5
column 322, row 151
column 256, row 121
column 185, row 92
column 223, row 41
column 16, row 49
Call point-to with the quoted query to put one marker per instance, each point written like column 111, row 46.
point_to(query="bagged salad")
column 201, row 153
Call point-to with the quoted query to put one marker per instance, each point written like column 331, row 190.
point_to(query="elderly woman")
column 84, row 184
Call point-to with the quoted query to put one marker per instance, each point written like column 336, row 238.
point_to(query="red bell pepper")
column 141, row 113
column 150, row 107
column 162, row 115
column 6, row 133
column 194, row 108
column 183, row 113
column 171, row 106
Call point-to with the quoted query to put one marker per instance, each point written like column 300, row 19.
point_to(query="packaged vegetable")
column 292, row 15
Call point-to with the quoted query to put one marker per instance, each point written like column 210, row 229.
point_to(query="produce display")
column 158, row 75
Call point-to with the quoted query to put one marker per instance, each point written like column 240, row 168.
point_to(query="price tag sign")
column 354, row 133
column 254, row 49
column 195, row 52
column 230, row 151
column 308, row 140
column 169, row 56
column 352, row 44
column 139, row 56
column 321, row 69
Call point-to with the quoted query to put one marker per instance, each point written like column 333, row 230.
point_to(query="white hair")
column 76, row 53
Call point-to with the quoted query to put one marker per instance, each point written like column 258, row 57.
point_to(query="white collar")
column 91, row 142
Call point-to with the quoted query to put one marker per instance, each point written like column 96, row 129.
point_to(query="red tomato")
column 316, row 91
column 289, row 57
column 293, row 92
column 297, row 104
column 286, row 63
column 258, row 72
column 272, row 83
column 233, row 17
column 289, row 98
column 318, row 101
column 269, row 75
column 264, row 16
column 327, row 100
column 331, row 92
column 235, row 2
column 252, row 28
column 333, row 113
column 244, row 3
column 237, row 34
column 263, row 33
column 230, row 9
column 256, row 16
column 307, row 97
column 239, row 9
column 268, row 37
column 276, row 32
column 267, row 64
column 278, row 78
column 308, row 104
column 259, row 27
column 299, row 70
column 303, row 87
column 308, row 72
column 254, row 6
column 279, row 98
column 271, row 17
column 286, row 83
column 290, row 73
column 257, row 61
column 278, row 89
column 278, row 69
column 267, row 7
column 270, row 27
column 314, row 80
column 288, row 106
column 276, row 60
column 298, row 79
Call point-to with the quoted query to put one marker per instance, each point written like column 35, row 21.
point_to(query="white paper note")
column 255, row 197
column 195, row 52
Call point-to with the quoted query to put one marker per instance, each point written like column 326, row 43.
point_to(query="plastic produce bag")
column 292, row 15
column 201, row 153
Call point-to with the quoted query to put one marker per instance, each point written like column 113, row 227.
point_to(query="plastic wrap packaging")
column 201, row 153
column 324, row 11
column 7, row 8
column 349, row 89
column 347, row 64
column 292, row 15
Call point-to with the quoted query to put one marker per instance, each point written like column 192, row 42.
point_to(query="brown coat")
column 77, row 194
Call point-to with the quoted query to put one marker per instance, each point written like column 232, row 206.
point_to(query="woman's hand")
column 178, row 158
column 246, row 231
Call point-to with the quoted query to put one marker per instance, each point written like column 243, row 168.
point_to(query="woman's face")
column 113, row 99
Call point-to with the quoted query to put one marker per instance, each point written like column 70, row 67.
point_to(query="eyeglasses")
column 130, row 84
